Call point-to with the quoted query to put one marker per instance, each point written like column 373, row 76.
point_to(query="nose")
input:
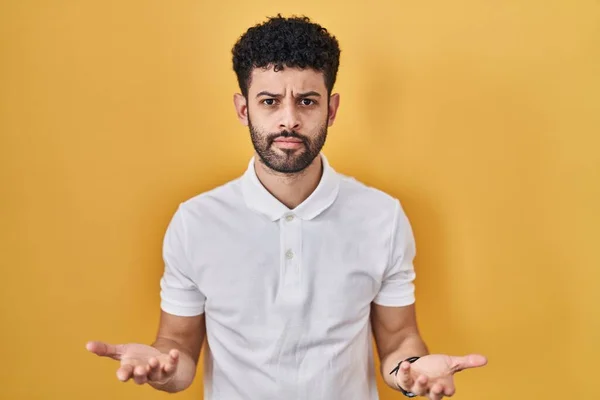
column 290, row 118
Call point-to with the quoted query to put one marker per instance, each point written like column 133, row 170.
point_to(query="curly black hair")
column 292, row 42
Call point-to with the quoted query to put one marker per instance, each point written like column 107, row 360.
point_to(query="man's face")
column 288, row 115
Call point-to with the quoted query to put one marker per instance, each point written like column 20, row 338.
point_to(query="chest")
column 314, row 273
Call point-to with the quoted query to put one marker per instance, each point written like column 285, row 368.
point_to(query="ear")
column 334, row 103
column 241, row 108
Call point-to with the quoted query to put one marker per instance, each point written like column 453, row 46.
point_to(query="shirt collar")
column 259, row 199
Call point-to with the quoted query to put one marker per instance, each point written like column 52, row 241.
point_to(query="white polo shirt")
column 287, row 293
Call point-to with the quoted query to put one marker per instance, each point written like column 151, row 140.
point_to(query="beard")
column 287, row 161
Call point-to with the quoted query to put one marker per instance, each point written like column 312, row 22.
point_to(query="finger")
column 140, row 374
column 436, row 392
column 104, row 349
column 403, row 378
column 155, row 369
column 153, row 363
column 169, row 367
column 125, row 372
column 468, row 361
column 449, row 391
column 171, row 364
column 420, row 386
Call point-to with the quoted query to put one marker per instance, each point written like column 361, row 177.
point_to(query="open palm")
column 144, row 363
column 432, row 375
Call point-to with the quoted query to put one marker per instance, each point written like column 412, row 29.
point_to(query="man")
column 288, row 269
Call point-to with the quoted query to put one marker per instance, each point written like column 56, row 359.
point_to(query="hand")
column 432, row 375
column 145, row 364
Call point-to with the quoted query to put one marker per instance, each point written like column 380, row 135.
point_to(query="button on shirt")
column 287, row 293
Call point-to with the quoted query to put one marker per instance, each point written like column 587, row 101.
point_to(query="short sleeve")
column 397, row 288
column 179, row 293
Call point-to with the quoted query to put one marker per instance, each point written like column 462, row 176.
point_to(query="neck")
column 290, row 189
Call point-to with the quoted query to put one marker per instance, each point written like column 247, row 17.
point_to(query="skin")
column 288, row 110
column 289, row 100
column 169, row 364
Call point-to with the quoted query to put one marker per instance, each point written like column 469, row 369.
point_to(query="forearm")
column 186, row 368
column 410, row 346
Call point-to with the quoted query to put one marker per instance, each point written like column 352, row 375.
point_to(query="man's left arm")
column 396, row 336
column 393, row 317
column 394, row 324
column 397, row 339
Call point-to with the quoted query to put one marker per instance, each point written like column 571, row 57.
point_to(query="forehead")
column 287, row 80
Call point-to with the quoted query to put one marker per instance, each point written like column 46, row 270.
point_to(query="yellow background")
column 481, row 116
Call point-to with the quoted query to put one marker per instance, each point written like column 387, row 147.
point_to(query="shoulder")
column 218, row 201
column 367, row 198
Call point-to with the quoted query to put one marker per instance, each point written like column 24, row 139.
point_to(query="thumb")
column 105, row 349
column 468, row 361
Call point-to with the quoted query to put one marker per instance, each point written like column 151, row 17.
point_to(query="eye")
column 269, row 102
column 307, row 102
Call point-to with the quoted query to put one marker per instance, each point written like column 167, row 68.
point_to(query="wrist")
column 184, row 373
column 392, row 361
column 394, row 373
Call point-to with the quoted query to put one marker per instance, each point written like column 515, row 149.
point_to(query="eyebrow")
column 299, row 95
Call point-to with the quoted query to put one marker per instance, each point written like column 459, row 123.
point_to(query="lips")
column 288, row 143
column 288, row 140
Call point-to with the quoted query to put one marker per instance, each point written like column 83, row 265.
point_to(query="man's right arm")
column 169, row 364
column 185, row 334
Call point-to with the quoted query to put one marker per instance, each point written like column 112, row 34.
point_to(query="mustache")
column 287, row 134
